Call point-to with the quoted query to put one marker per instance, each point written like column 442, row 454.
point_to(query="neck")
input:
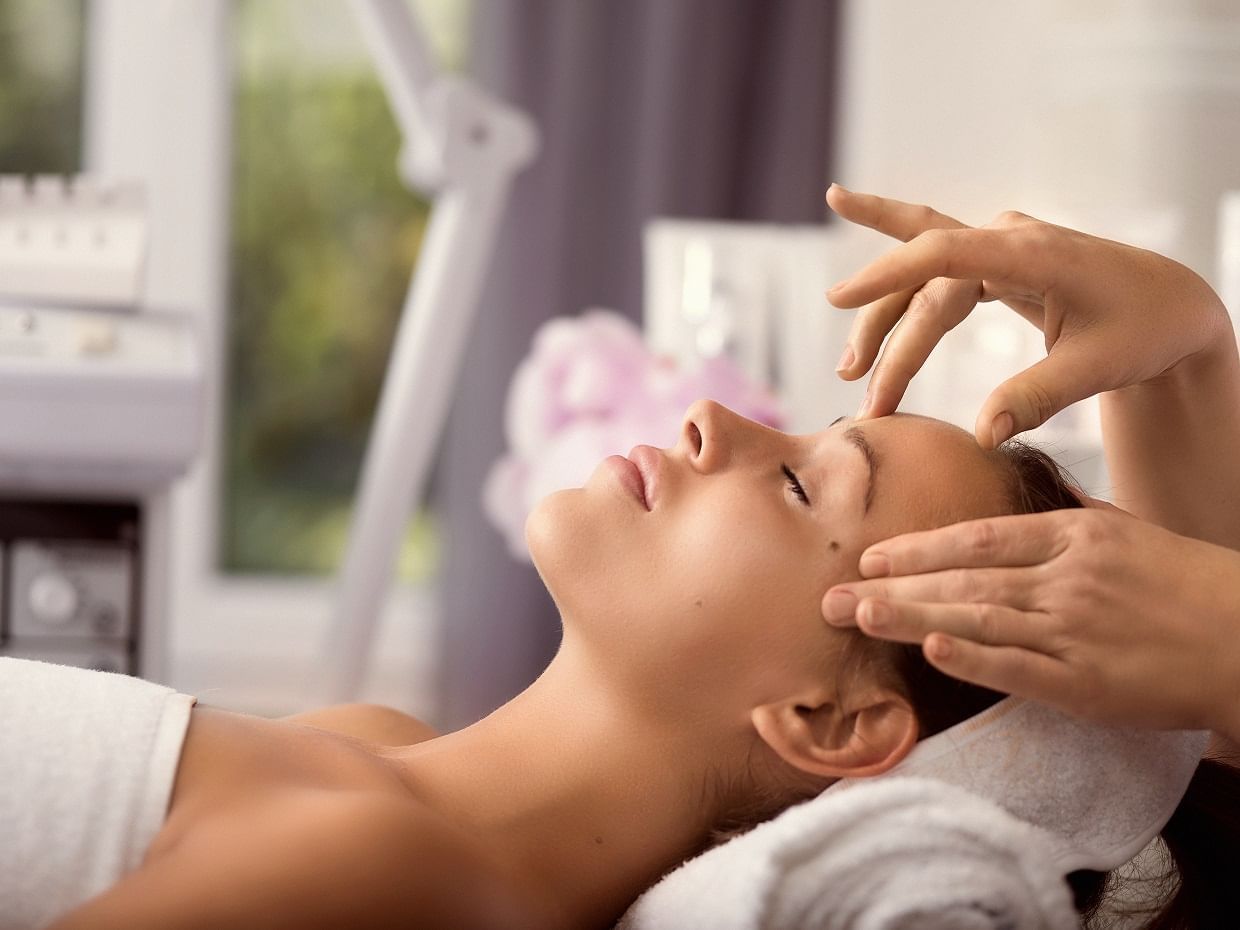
column 585, row 803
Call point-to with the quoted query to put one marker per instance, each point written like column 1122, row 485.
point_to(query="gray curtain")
column 692, row 108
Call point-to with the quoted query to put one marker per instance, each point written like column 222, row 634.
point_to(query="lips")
column 629, row 476
column 647, row 460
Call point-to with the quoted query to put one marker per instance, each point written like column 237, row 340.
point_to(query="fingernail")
column 940, row 647
column 838, row 286
column 846, row 359
column 874, row 615
column 875, row 565
column 1001, row 428
column 841, row 605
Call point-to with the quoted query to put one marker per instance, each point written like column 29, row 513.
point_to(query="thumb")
column 1029, row 399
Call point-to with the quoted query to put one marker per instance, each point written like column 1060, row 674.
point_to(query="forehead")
column 930, row 473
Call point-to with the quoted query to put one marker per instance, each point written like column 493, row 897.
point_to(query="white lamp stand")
column 465, row 147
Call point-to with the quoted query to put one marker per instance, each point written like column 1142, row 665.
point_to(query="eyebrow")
column 857, row 438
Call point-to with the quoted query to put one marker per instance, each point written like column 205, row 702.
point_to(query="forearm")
column 1227, row 692
column 1173, row 445
column 1228, row 726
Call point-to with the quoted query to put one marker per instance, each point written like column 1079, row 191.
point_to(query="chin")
column 580, row 547
column 549, row 538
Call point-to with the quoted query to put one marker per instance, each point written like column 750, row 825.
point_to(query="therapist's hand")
column 1112, row 315
column 1091, row 611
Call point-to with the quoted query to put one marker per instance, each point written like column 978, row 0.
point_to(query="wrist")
column 1229, row 703
column 1212, row 366
column 1228, row 725
column 1172, row 443
column 1213, row 360
column 1225, row 719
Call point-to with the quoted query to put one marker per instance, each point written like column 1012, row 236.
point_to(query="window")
column 167, row 106
column 40, row 86
column 324, row 236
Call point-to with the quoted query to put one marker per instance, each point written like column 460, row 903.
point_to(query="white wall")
column 1121, row 117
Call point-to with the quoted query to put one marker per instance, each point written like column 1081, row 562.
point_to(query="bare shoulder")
column 396, row 862
column 374, row 723
column 318, row 859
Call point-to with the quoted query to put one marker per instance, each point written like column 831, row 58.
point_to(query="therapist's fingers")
column 905, row 221
column 986, row 624
column 935, row 309
column 1018, row 540
column 1012, row 586
column 891, row 217
column 869, row 328
column 1071, row 372
column 1012, row 261
column 1009, row 669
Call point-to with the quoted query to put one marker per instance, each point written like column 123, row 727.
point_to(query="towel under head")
column 1100, row 793
column 893, row 854
column 975, row 829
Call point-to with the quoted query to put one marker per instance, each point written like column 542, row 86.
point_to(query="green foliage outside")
column 324, row 237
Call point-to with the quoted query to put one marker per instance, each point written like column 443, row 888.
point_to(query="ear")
column 819, row 735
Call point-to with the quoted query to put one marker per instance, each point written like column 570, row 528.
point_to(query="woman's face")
column 708, row 591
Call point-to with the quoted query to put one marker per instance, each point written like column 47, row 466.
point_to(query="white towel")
column 1102, row 793
column 890, row 854
column 976, row 828
column 87, row 763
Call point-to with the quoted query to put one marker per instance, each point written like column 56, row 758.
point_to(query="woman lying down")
column 697, row 691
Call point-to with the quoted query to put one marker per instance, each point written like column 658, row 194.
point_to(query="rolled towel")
column 894, row 853
column 87, row 765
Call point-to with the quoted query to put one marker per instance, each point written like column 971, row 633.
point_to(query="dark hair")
column 1197, row 887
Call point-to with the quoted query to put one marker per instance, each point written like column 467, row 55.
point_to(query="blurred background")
column 678, row 138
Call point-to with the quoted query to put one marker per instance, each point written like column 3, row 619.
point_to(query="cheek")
column 710, row 599
column 744, row 584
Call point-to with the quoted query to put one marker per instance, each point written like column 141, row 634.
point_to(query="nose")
column 710, row 435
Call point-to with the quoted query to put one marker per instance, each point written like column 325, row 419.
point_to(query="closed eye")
column 795, row 484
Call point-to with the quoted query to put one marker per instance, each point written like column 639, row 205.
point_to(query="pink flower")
column 588, row 389
column 579, row 368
